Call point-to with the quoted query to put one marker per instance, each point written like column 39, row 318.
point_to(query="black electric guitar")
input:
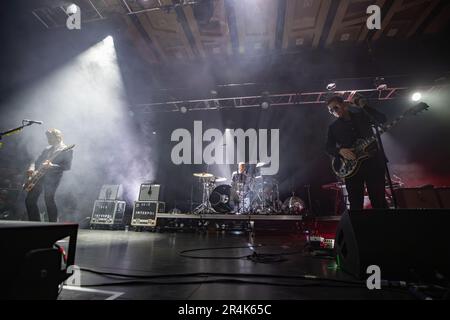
column 366, row 148
column 42, row 171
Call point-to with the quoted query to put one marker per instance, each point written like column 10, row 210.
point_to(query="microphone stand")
column 15, row 130
column 376, row 125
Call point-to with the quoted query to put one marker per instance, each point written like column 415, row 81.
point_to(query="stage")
column 224, row 150
column 220, row 275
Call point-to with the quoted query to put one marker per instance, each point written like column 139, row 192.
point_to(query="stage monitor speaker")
column 417, row 198
column 149, row 192
column 444, row 197
column 111, row 192
column 405, row 244
column 32, row 265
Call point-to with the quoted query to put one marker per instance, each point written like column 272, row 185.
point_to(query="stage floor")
column 152, row 254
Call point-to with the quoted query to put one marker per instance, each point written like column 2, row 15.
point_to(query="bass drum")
column 221, row 199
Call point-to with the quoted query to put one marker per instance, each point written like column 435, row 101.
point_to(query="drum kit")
column 256, row 194
column 208, row 181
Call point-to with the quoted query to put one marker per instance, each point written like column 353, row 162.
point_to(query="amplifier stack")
column 109, row 209
column 423, row 198
column 146, row 209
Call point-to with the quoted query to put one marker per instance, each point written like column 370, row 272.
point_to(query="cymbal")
column 203, row 175
column 220, row 179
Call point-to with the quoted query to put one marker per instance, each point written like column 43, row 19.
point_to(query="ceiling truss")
column 279, row 100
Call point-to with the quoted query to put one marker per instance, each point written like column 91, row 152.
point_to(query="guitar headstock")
column 69, row 147
column 419, row 108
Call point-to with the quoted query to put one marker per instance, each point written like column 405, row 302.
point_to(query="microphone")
column 33, row 121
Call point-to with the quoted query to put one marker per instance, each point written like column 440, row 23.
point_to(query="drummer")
column 240, row 182
column 241, row 176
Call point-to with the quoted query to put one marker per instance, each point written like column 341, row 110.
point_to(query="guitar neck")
column 388, row 127
column 392, row 124
column 58, row 153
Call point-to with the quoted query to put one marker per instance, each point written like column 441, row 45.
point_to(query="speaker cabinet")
column 32, row 266
column 111, row 192
column 417, row 198
column 444, row 197
column 403, row 243
column 149, row 192
column 108, row 212
column 145, row 213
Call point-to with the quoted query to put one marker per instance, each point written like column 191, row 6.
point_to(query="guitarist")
column 49, row 183
column 354, row 121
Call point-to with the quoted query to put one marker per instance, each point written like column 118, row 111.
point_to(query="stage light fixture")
column 265, row 102
column 380, row 83
column 183, row 109
column 416, row 97
column 72, row 8
column 331, row 86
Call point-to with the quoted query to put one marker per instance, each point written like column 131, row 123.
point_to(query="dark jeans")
column 372, row 174
column 49, row 184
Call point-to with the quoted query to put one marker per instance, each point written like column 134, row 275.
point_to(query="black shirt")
column 343, row 133
column 239, row 178
column 62, row 162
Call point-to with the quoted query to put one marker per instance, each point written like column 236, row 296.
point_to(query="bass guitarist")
column 354, row 121
column 50, row 181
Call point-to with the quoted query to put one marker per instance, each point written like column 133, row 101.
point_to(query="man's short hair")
column 56, row 133
column 337, row 99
